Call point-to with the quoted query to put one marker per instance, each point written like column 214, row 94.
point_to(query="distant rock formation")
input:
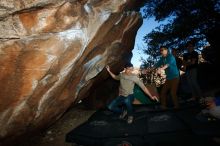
column 52, row 52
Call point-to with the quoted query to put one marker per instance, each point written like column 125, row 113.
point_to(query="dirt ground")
column 55, row 135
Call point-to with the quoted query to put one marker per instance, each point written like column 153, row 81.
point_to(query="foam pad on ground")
column 161, row 127
column 105, row 127
column 201, row 128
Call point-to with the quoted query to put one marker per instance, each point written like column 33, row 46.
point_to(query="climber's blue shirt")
column 172, row 70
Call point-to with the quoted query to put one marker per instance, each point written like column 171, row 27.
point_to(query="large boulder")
column 53, row 53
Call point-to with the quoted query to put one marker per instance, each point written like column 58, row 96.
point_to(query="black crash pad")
column 164, row 122
column 104, row 128
column 199, row 127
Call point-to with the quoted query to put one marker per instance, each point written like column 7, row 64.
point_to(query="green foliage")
column 188, row 19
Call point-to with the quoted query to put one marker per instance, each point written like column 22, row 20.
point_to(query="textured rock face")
column 52, row 52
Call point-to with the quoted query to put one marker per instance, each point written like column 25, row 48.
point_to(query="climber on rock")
column 127, row 81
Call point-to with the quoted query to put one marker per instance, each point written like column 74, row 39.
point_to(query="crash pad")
column 150, row 127
column 105, row 128
column 142, row 97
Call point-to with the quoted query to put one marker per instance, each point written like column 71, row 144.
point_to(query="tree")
column 188, row 19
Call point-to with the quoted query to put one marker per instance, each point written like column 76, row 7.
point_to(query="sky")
column 147, row 26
